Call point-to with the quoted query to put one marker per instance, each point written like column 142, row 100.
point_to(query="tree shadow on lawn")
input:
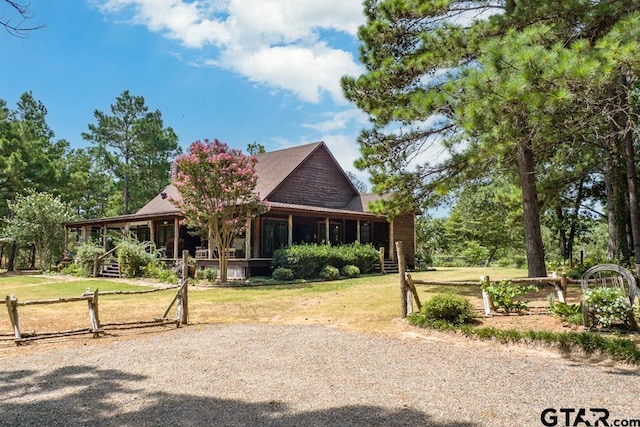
column 86, row 395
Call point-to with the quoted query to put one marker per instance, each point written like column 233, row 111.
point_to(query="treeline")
column 534, row 106
column 125, row 164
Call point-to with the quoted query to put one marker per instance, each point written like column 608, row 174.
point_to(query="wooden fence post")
column 184, row 319
column 563, row 288
column 94, row 315
column 487, row 301
column 405, row 296
column 95, row 265
column 12, row 307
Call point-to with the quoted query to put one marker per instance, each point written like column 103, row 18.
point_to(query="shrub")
column 307, row 261
column 350, row 271
column 85, row 256
column 329, row 272
column 133, row 257
column 72, row 269
column 210, row 274
column 448, row 307
column 570, row 313
column 505, row 294
column 474, row 253
column 608, row 305
column 282, row 274
column 157, row 270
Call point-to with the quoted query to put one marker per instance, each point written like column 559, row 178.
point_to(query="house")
column 311, row 200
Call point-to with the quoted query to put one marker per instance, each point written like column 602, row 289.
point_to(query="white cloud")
column 333, row 121
column 273, row 42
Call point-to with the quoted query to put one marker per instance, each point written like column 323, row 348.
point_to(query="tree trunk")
column 617, row 208
column 532, row 231
column 562, row 235
column 13, row 248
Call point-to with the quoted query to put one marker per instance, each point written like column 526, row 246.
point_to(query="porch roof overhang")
column 284, row 208
column 124, row 219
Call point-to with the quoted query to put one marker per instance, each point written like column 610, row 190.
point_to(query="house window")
column 336, row 235
column 275, row 235
column 365, row 232
column 165, row 232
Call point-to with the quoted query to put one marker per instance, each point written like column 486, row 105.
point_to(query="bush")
column 85, row 256
column 72, row 270
column 505, row 294
column 282, row 274
column 133, row 257
column 449, row 307
column 474, row 253
column 608, row 305
column 350, row 271
column 329, row 272
column 307, row 261
column 157, row 270
column 210, row 274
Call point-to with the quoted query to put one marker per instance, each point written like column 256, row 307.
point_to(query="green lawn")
column 368, row 303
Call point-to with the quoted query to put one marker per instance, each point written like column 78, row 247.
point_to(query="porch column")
column 392, row 252
column 65, row 254
column 104, row 237
column 152, row 232
column 290, row 231
column 247, row 240
column 358, row 231
column 176, row 238
column 326, row 230
column 85, row 233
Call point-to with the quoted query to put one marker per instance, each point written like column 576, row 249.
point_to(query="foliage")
column 217, row 193
column 133, row 145
column 329, row 272
column 350, row 271
column 474, row 253
column 209, row 274
column 39, row 218
column 505, row 294
column 72, row 269
column 619, row 349
column 157, row 270
column 306, row 261
column 607, row 305
column 570, row 313
column 134, row 256
column 282, row 274
column 442, row 309
column 85, row 256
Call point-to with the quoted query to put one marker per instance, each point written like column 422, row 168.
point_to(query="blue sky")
column 242, row 71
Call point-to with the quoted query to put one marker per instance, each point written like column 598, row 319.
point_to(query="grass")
column 368, row 304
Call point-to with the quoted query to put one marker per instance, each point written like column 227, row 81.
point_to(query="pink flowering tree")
column 217, row 189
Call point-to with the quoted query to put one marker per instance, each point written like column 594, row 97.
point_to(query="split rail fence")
column 96, row 327
column 408, row 292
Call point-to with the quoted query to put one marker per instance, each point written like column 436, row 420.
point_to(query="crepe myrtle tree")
column 217, row 188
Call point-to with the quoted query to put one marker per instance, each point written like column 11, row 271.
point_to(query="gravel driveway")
column 257, row 375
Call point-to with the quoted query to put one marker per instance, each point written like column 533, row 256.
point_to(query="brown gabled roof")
column 275, row 166
column 161, row 203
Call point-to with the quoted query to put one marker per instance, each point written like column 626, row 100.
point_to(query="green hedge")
column 307, row 261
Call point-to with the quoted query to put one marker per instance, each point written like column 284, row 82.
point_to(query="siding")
column 403, row 230
column 318, row 181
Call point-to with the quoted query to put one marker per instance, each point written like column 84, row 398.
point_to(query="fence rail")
column 95, row 326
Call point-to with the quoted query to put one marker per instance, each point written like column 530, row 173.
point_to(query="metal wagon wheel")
column 610, row 275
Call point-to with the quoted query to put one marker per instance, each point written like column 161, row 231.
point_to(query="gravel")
column 273, row 375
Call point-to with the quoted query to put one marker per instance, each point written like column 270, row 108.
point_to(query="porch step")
column 110, row 270
column 390, row 267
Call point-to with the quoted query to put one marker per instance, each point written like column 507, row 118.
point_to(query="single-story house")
column 311, row 200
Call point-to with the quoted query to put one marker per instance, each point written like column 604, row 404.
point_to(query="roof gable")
column 304, row 175
column 317, row 180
